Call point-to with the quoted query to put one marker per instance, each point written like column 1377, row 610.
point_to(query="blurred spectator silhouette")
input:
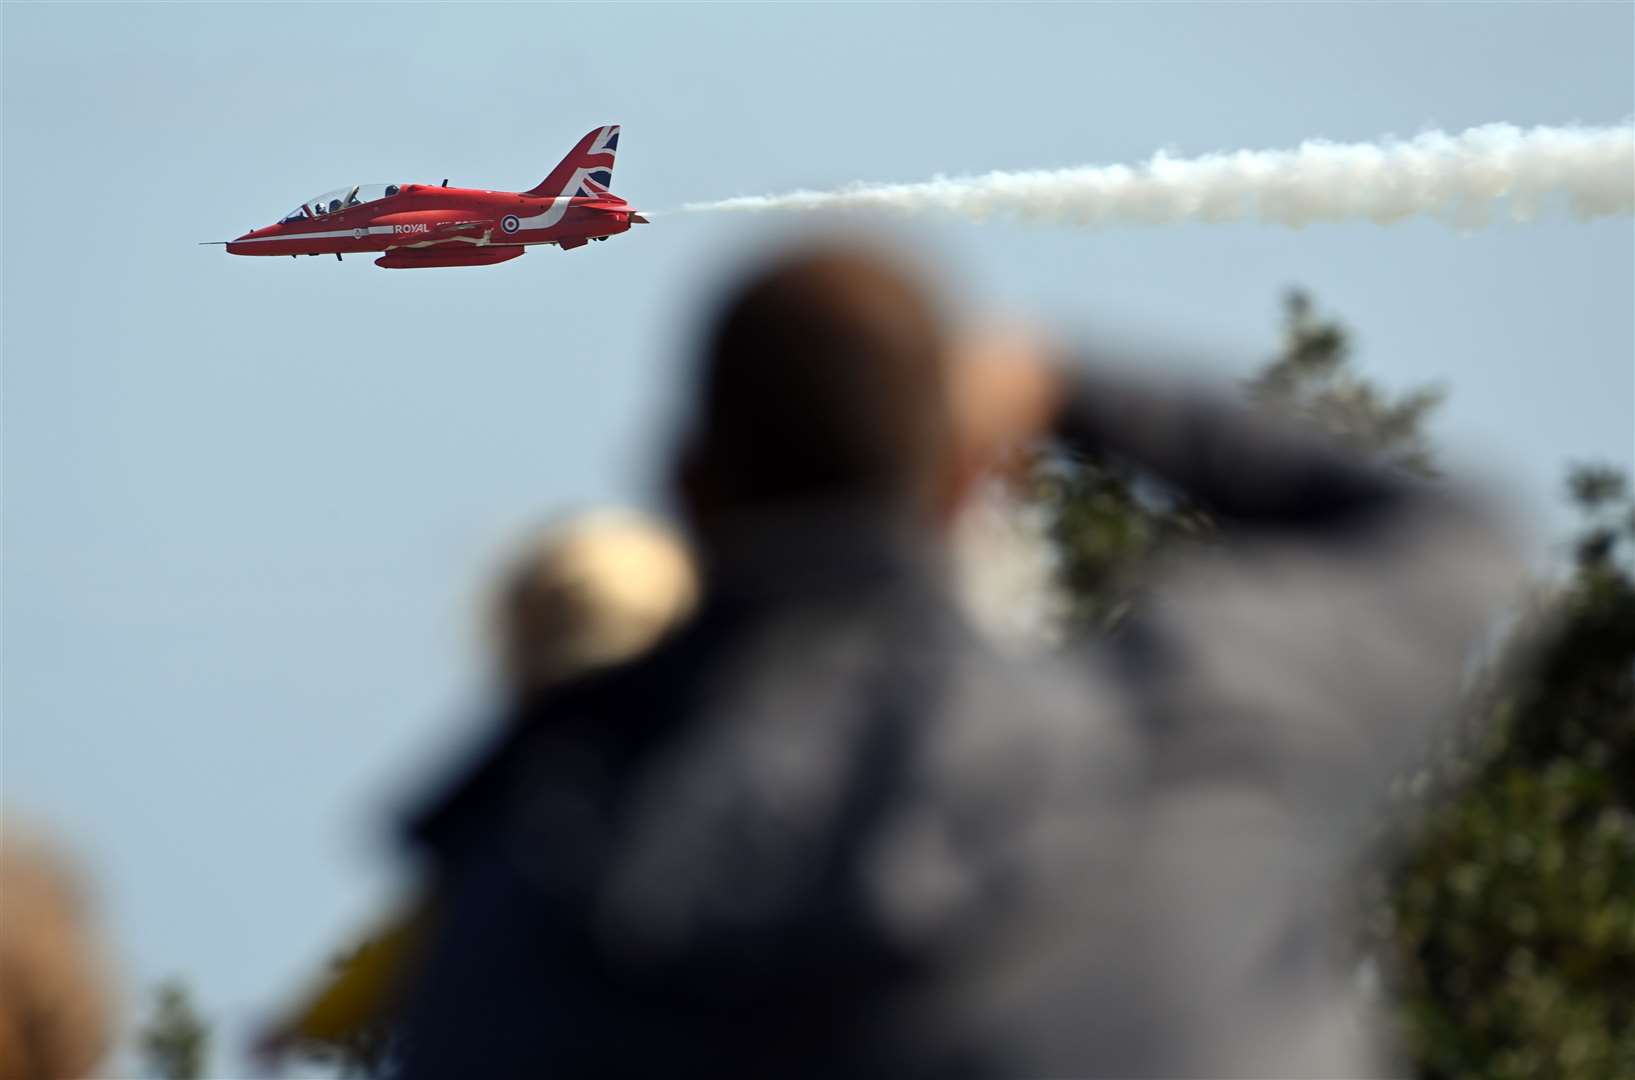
column 595, row 589
column 824, row 830
column 54, row 998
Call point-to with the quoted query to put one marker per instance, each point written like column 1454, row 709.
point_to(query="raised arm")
column 1287, row 670
column 1241, row 464
column 1313, row 645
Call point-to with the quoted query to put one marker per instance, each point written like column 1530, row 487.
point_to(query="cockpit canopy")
column 333, row 202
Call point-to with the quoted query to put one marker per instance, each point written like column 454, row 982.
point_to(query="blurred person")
column 824, row 829
column 593, row 590
column 54, row 997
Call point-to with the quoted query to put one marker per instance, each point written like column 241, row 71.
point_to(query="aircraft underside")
column 476, row 250
column 467, row 252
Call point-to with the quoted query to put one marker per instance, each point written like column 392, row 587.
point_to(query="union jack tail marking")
column 588, row 168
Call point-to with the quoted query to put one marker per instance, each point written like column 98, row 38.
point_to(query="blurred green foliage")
column 1104, row 527
column 1502, row 909
column 1509, row 915
column 175, row 1042
column 1311, row 379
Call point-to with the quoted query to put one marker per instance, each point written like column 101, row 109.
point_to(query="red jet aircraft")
column 426, row 225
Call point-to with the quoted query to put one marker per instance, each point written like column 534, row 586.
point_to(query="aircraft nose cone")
column 245, row 245
column 237, row 245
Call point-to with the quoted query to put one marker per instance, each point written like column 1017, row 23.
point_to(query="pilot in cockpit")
column 334, row 206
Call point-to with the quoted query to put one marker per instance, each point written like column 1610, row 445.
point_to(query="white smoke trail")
column 1457, row 178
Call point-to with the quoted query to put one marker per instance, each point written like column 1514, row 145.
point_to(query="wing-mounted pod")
column 448, row 255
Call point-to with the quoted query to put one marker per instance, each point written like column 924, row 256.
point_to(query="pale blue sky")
column 249, row 503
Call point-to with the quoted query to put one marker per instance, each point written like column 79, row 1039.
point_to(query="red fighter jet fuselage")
column 418, row 225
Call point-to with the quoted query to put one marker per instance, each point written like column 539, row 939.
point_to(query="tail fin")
column 588, row 168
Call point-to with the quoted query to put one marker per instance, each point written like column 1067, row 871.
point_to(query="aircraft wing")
column 444, row 231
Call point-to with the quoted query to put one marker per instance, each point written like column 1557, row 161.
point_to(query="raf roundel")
column 510, row 223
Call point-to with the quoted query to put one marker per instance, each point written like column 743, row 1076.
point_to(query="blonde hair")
column 592, row 591
column 54, row 1001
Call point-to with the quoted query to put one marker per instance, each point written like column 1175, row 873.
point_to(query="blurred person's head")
column 592, row 591
column 54, row 1011
column 822, row 377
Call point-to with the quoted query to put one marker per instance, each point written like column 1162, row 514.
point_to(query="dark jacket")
column 826, row 829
